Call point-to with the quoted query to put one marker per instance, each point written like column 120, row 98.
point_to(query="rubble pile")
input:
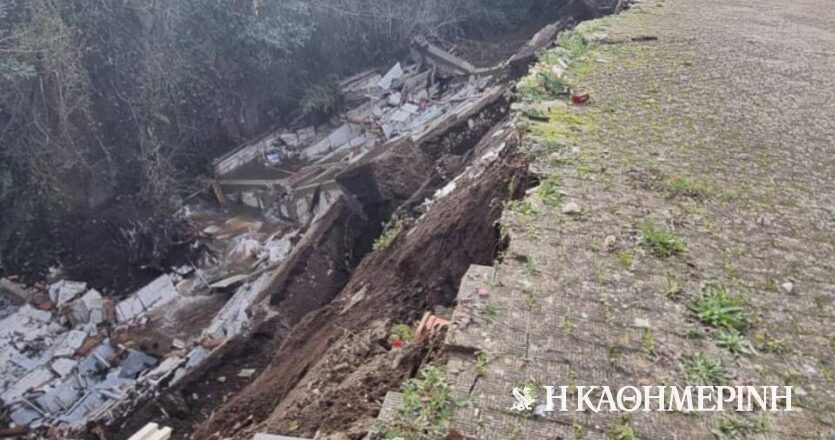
column 70, row 357
column 62, row 360
column 290, row 173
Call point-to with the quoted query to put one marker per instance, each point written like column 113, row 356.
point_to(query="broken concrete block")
column 233, row 317
column 135, row 363
column 63, row 367
column 35, row 314
column 395, row 99
column 388, row 79
column 68, row 344
column 152, row 431
column 410, row 108
column 159, row 292
column 63, row 396
column 82, row 309
column 246, row 373
column 96, row 361
column 32, row 380
column 250, row 199
column 24, row 415
column 65, row 291
column 400, row 116
column 128, row 309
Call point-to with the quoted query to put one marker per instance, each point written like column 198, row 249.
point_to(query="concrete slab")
column 388, row 79
column 32, row 380
column 64, row 291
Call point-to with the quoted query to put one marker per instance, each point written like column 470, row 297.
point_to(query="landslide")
column 334, row 368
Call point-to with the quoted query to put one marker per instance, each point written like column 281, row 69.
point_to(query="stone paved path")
column 719, row 129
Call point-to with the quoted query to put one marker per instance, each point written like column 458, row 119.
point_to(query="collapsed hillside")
column 317, row 285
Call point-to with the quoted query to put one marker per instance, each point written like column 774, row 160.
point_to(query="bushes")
column 108, row 98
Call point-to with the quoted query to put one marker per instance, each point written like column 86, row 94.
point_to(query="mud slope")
column 335, row 366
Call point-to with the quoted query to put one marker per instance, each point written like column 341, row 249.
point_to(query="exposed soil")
column 336, row 366
column 208, row 386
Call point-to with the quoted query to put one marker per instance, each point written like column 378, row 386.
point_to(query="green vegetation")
column 402, row 332
column 391, row 231
column 490, row 310
column 734, row 341
column 702, row 370
column 549, row 190
column 620, row 430
column 531, row 267
column 673, row 288
column 660, row 242
column 740, row 427
column 768, row 344
column 426, row 411
column 648, row 344
column 718, row 309
column 683, row 185
column 626, row 258
column 136, row 98
column 578, row 432
column 481, row 361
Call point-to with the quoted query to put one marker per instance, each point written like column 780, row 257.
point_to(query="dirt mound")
column 336, row 366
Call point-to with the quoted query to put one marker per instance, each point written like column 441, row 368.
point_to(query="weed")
column 391, row 231
column 734, row 341
column 481, row 363
column 490, row 310
column 768, row 344
column 686, row 186
column 526, row 208
column 740, row 428
column 718, row 309
column 402, row 332
column 549, row 191
column 626, row 258
column 660, row 242
column 426, row 410
column 530, row 299
column 614, row 352
column 531, row 267
column 770, row 286
column 648, row 342
column 620, row 430
column 568, row 327
column 702, row 370
column 512, row 186
column 578, row 432
column 574, row 43
column 673, row 289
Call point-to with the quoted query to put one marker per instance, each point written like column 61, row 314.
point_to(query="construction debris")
column 406, row 103
column 152, row 431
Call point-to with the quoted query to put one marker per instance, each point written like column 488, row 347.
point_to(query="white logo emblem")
column 524, row 402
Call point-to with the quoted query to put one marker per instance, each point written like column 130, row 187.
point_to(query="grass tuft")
column 660, row 242
column 718, row 309
column 734, row 341
column 702, row 370
column 426, row 411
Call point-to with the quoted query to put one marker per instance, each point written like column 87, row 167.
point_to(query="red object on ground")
column 397, row 343
column 580, row 99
